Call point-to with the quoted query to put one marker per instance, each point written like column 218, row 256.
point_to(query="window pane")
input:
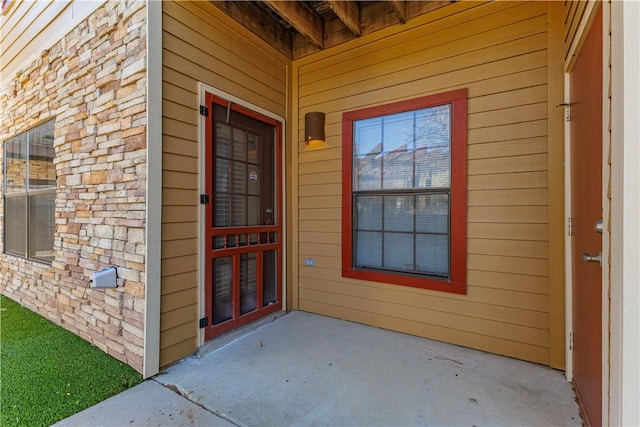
column 222, row 211
column 252, row 146
column 368, row 249
column 432, row 213
column 367, row 173
column 432, row 254
column 369, row 213
column 239, row 177
column 239, row 145
column 41, row 226
column 253, row 210
column 403, row 151
column 367, row 149
column 16, row 158
column 433, row 147
column 384, row 233
column 254, row 180
column 368, row 137
column 397, row 145
column 223, row 139
column 397, row 170
column 432, row 169
column 42, row 173
column 398, row 132
column 398, row 251
column 398, row 213
column 239, row 211
column 223, row 175
column 15, row 238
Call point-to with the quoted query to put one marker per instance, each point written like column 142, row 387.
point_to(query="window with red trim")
column 404, row 192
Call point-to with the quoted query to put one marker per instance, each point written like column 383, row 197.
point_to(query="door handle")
column 599, row 226
column 591, row 258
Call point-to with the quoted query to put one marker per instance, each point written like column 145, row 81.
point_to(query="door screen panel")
column 269, row 279
column 245, row 179
column 248, row 277
column 222, row 290
column 243, row 174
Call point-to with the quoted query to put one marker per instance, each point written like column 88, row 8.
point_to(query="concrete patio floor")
column 304, row 369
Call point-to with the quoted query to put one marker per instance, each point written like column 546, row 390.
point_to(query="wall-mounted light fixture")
column 314, row 129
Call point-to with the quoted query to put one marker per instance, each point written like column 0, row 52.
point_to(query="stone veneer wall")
column 92, row 83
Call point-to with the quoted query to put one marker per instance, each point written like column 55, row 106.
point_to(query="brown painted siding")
column 499, row 52
column 199, row 44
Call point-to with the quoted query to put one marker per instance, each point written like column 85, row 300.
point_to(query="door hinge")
column 204, row 199
column 204, row 322
column 570, row 340
column 569, row 226
column 204, row 110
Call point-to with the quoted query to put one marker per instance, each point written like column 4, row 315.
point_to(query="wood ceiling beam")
column 400, row 8
column 349, row 13
column 300, row 17
column 258, row 22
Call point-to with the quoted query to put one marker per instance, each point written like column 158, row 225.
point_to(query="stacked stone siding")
column 92, row 83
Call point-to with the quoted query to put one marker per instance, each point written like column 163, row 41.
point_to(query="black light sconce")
column 314, row 129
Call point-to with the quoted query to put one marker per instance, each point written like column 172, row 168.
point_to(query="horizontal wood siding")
column 499, row 52
column 199, row 44
column 31, row 27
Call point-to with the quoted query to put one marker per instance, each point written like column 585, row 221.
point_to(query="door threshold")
column 222, row 340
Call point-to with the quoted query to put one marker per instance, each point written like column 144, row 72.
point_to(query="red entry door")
column 586, row 210
column 243, row 275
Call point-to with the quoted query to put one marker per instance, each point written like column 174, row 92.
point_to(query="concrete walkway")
column 303, row 369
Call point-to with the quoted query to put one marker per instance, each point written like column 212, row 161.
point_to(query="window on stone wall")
column 29, row 194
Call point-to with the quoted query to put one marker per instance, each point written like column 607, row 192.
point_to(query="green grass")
column 48, row 373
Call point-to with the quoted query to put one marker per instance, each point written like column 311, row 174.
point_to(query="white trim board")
column 625, row 211
column 568, row 257
column 153, row 238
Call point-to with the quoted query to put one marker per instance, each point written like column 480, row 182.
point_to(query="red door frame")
column 236, row 251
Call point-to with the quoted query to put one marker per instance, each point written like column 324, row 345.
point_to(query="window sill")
column 33, row 260
column 406, row 280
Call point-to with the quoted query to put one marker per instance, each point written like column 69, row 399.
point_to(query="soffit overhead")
column 300, row 28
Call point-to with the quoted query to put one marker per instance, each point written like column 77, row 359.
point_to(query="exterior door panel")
column 586, row 210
